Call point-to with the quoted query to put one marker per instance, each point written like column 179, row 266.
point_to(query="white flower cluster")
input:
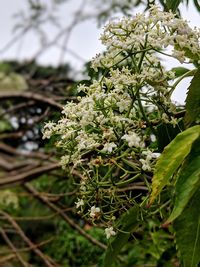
column 146, row 163
column 155, row 31
column 105, row 135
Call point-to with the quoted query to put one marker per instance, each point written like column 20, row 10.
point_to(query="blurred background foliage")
column 39, row 225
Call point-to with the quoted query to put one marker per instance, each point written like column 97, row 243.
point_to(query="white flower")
column 133, row 139
column 82, row 186
column 48, row 130
column 108, row 147
column 79, row 203
column 156, row 155
column 145, row 165
column 174, row 122
column 94, row 212
column 149, row 155
column 64, row 161
column 109, row 232
column 180, row 55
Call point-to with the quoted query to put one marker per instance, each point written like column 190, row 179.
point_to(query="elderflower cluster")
column 106, row 135
column 153, row 32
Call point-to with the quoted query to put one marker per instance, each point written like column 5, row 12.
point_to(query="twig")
column 16, row 107
column 48, row 262
column 14, row 135
column 64, row 216
column 13, row 248
column 133, row 187
column 12, row 166
column 27, row 176
column 30, row 95
column 29, row 154
column 28, row 249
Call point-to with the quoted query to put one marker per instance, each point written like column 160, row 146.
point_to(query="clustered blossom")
column 146, row 163
column 109, row 232
column 133, row 139
column 79, row 203
column 94, row 212
column 105, row 135
column 155, row 31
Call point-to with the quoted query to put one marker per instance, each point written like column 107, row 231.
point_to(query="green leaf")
column 187, row 229
column 173, row 4
column 193, row 100
column 171, row 158
column 197, row 5
column 179, row 71
column 187, row 184
column 128, row 223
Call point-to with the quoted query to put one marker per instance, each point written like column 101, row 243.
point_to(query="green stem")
column 129, row 180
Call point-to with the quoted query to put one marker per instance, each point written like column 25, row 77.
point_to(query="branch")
column 53, row 207
column 16, row 107
column 28, row 154
column 4, row 164
column 13, row 248
column 48, row 262
column 27, row 176
column 32, row 96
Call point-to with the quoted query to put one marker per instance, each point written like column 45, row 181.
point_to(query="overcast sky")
column 83, row 41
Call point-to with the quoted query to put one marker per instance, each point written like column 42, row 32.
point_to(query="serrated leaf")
column 128, row 222
column 187, row 229
column 187, row 184
column 193, row 100
column 171, row 158
column 188, row 181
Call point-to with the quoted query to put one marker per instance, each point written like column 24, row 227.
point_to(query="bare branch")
column 47, row 260
column 30, row 95
column 13, row 248
column 28, row 154
column 53, row 207
column 27, row 176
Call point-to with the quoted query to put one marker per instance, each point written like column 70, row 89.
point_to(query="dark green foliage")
column 166, row 133
column 193, row 100
column 187, row 227
column 188, row 181
column 127, row 224
column 71, row 249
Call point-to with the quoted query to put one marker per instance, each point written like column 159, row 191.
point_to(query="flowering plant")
column 109, row 137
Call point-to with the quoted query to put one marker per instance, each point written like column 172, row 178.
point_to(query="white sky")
column 84, row 40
